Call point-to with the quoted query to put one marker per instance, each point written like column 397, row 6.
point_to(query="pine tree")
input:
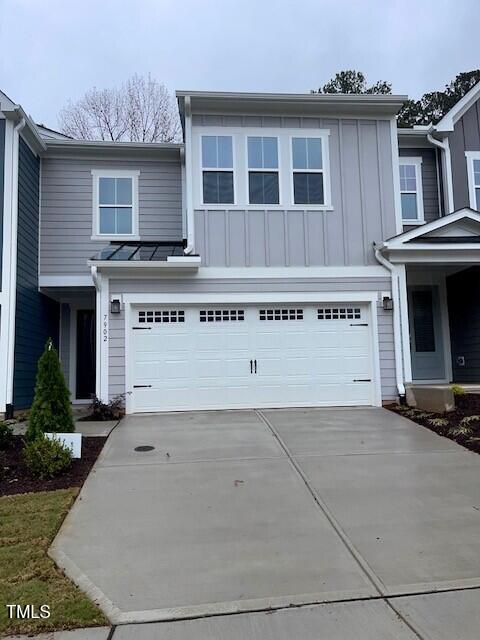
column 51, row 410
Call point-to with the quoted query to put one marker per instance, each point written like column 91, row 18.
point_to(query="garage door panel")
column 306, row 356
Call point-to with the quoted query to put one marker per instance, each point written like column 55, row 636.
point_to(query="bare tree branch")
column 140, row 110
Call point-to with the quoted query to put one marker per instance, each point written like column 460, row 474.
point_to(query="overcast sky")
column 55, row 50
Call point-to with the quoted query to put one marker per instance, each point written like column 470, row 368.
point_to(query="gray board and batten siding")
column 464, row 137
column 362, row 199
column 226, row 285
column 67, row 205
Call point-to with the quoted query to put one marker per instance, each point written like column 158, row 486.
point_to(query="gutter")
column 444, row 147
column 12, row 284
column 397, row 327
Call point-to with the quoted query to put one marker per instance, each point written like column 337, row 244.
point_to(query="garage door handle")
column 141, row 328
column 255, row 366
column 142, row 386
column 362, row 380
column 360, row 324
column 251, row 366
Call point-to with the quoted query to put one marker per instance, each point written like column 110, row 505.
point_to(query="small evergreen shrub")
column 460, row 430
column 438, row 422
column 51, row 410
column 46, row 458
column 6, row 436
column 458, row 390
column 100, row 411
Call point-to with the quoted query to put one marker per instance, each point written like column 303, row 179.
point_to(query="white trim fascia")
column 470, row 156
column 447, row 123
column 435, row 257
column 365, row 297
column 404, row 322
column 398, row 241
column 190, row 214
column 416, row 161
column 253, row 298
column 115, row 173
column 188, row 262
column 6, row 263
column 66, row 281
column 105, row 339
column 396, row 176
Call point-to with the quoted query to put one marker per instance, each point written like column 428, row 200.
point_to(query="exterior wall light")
column 387, row 303
column 115, row 306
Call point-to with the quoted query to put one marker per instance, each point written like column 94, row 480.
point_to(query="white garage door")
column 196, row 357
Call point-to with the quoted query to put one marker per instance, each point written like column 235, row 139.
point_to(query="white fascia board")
column 66, row 281
column 258, row 298
column 425, row 255
column 183, row 263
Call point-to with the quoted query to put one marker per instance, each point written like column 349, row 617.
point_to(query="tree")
column 434, row 105
column 51, row 410
column 140, row 110
column 353, row 82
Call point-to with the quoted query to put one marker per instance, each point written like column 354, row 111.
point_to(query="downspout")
column 397, row 327
column 190, row 248
column 444, row 147
column 13, row 270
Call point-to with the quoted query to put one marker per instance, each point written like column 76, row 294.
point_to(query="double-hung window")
column 115, row 204
column 473, row 164
column 217, row 170
column 308, row 171
column 263, row 185
column 411, row 192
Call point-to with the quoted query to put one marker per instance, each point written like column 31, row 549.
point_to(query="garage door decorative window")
column 165, row 315
column 280, row 314
column 222, row 315
column 342, row 313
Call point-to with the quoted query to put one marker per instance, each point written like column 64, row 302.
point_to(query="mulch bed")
column 466, row 405
column 18, row 479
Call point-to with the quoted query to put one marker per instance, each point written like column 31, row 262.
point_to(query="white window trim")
column 470, row 156
column 232, row 169
column 417, row 163
column 325, row 171
column 240, row 167
column 260, row 170
column 114, row 173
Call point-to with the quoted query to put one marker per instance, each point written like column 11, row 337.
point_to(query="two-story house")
column 295, row 250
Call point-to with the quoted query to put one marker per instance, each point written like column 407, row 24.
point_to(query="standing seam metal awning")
column 140, row 251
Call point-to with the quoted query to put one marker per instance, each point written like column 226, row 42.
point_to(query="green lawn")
column 28, row 524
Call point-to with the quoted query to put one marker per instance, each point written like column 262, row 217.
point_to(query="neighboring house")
column 276, row 258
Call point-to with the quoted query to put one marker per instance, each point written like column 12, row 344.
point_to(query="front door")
column 85, row 384
column 426, row 340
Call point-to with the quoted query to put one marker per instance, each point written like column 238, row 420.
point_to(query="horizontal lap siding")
column 37, row 317
column 2, row 182
column 117, row 322
column 66, row 223
column 362, row 198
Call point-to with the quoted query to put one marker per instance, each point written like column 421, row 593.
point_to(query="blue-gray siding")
column 2, row 186
column 431, row 197
column 66, row 220
column 362, row 198
column 36, row 315
column 465, row 137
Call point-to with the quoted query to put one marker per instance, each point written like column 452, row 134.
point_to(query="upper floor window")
column 263, row 186
column 411, row 192
column 307, row 165
column 217, row 170
column 115, row 204
column 473, row 164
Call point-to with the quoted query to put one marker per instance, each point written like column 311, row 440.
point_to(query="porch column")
column 102, row 335
column 404, row 324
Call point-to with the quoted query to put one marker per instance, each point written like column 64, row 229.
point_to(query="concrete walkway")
column 244, row 511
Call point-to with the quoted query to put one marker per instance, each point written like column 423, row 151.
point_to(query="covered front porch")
column 438, row 266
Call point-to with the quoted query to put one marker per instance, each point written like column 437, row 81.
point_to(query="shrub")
column 3, row 465
column 51, row 409
column 468, row 421
column 46, row 458
column 6, row 436
column 438, row 422
column 460, row 430
column 458, row 390
column 101, row 411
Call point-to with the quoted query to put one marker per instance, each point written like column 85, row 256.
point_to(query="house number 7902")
column 105, row 327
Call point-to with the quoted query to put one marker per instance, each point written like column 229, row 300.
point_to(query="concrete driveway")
column 247, row 511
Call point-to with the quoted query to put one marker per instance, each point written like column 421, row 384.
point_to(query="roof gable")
column 448, row 121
